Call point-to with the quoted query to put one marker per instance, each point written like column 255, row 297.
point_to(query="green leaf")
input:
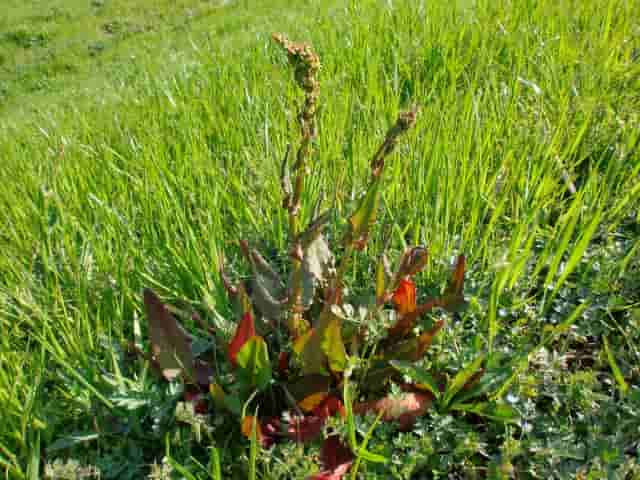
column 325, row 347
column 418, row 375
column 489, row 381
column 494, row 411
column 72, row 441
column 333, row 346
column 461, row 379
column 254, row 367
column 365, row 214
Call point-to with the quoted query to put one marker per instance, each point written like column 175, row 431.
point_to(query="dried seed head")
column 405, row 121
column 413, row 261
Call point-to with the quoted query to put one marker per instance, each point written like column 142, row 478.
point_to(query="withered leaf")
column 405, row 408
column 170, row 344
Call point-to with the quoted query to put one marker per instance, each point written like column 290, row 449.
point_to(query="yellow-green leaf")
column 254, row 367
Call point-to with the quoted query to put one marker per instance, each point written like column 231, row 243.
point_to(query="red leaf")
column 283, row 363
column 329, row 407
column 246, row 329
column 404, row 297
column 404, row 408
column 305, row 429
column 195, row 396
column 267, row 429
column 336, row 460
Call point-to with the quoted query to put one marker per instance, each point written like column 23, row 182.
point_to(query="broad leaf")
column 313, row 401
column 336, row 460
column 309, row 385
column 461, row 379
column 333, row 346
column 305, row 429
column 267, row 289
column 300, row 342
column 407, row 322
column 254, row 367
column 318, row 260
column 404, row 408
column 249, row 423
column 414, row 348
column 488, row 382
column 495, row 411
column 404, row 298
column 170, row 344
column 325, row 347
column 217, row 393
column 246, row 329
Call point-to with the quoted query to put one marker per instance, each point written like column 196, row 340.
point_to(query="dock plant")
column 304, row 349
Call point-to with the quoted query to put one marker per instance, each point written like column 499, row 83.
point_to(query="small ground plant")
column 304, row 349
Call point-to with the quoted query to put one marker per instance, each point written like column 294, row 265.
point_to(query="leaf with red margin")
column 336, row 460
column 405, row 408
column 254, row 368
column 246, row 329
column 170, row 344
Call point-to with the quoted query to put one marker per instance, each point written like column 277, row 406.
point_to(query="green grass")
column 120, row 172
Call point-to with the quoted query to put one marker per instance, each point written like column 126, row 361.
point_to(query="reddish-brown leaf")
column 283, row 364
column 336, row 460
column 457, row 279
column 246, row 329
column 453, row 298
column 426, row 339
column 404, row 408
column 306, row 428
column 330, row 406
column 413, row 348
column 194, row 395
column 405, row 323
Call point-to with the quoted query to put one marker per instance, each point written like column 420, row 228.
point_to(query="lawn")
column 140, row 141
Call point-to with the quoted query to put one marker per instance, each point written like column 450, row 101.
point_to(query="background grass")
column 140, row 141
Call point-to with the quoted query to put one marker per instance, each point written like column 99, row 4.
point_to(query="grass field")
column 140, row 140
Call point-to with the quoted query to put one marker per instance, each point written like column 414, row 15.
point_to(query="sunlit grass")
column 158, row 171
